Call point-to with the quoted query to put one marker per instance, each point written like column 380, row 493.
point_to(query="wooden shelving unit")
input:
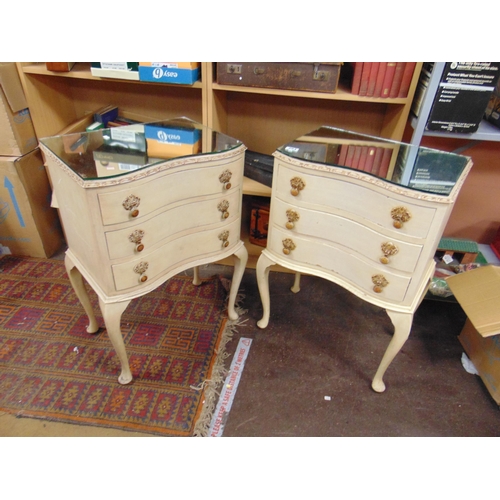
column 263, row 119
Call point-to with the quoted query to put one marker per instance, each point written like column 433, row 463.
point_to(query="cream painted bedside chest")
column 362, row 212
column 141, row 203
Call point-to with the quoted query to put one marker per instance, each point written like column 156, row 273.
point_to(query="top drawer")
column 123, row 204
column 321, row 192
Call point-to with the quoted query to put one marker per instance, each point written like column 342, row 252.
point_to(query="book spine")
column 370, row 159
column 398, row 78
column 407, row 78
column 386, row 161
column 356, row 157
column 372, row 79
column 389, row 76
column 356, row 78
column 365, row 77
column 362, row 157
column 349, row 156
column 377, row 160
column 342, row 154
column 380, row 79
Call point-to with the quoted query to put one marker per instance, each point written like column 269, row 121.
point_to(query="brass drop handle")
column 136, row 237
column 297, row 185
column 131, row 203
column 292, row 217
column 388, row 249
column 223, row 207
column 380, row 282
column 400, row 215
column 140, row 269
column 288, row 246
column 224, row 237
column 225, row 178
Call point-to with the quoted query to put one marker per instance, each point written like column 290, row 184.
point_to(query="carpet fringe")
column 213, row 385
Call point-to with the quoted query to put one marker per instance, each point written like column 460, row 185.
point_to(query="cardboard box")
column 170, row 142
column 478, row 292
column 154, row 72
column 120, row 70
column 28, row 225
column 17, row 134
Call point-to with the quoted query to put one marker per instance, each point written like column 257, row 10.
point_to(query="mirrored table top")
column 415, row 167
column 116, row 151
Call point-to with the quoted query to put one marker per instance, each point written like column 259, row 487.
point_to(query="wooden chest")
column 316, row 77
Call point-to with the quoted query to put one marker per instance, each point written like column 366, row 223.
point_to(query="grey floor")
column 309, row 372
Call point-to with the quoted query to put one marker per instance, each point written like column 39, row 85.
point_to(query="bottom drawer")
column 327, row 257
column 175, row 253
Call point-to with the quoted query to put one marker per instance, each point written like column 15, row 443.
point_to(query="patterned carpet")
column 51, row 368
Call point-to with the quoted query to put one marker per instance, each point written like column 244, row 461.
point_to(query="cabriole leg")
column 76, row 280
column 402, row 325
column 112, row 314
column 262, row 272
column 240, row 258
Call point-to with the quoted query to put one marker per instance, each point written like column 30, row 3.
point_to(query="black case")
column 259, row 167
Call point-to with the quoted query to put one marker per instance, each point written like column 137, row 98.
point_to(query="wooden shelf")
column 263, row 119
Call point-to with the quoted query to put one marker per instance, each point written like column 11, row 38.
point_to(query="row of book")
column 372, row 159
column 382, row 79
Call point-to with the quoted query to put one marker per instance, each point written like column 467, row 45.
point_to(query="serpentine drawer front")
column 374, row 232
column 132, row 221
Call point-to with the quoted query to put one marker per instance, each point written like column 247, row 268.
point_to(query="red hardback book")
column 386, row 161
column 356, row 157
column 356, row 78
column 365, row 78
column 349, row 156
column 362, row 157
column 380, row 79
column 377, row 161
column 396, row 81
column 389, row 76
column 370, row 159
column 407, row 78
column 342, row 154
column 372, row 79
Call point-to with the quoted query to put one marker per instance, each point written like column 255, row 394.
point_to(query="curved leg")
column 262, row 271
column 240, row 261
column 296, row 284
column 76, row 281
column 196, row 276
column 402, row 325
column 112, row 314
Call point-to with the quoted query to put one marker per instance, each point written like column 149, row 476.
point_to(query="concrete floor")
column 309, row 372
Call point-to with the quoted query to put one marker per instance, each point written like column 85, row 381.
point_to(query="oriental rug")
column 51, row 368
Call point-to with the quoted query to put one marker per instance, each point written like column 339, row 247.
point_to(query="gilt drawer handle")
column 223, row 207
column 388, row 249
column 288, row 246
column 224, row 236
column 140, row 269
column 297, row 185
column 224, row 179
column 131, row 203
column 400, row 215
column 380, row 282
column 136, row 237
column 292, row 217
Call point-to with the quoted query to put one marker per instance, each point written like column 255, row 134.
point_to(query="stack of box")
column 28, row 225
